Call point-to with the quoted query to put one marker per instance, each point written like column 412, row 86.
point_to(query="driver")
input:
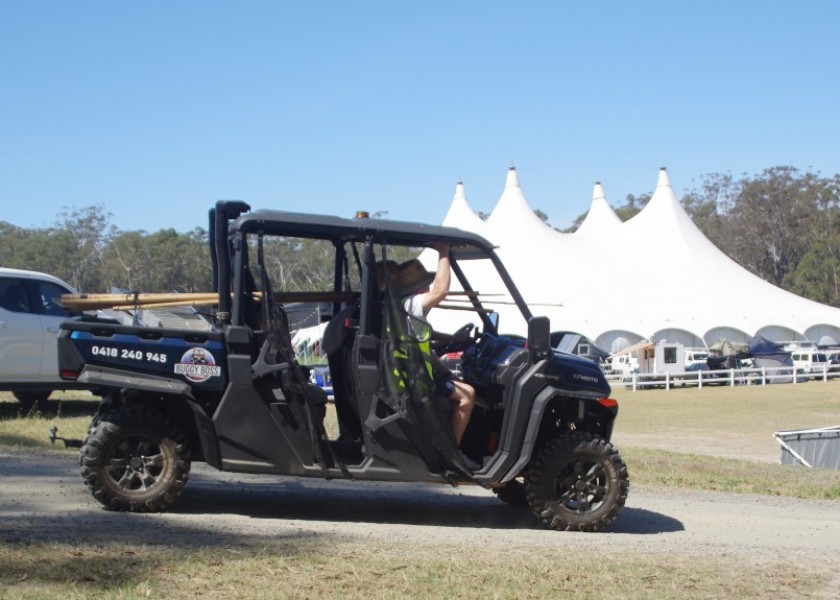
column 413, row 282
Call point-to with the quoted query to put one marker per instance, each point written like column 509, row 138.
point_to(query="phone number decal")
column 128, row 354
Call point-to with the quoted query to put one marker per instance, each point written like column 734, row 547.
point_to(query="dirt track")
column 42, row 498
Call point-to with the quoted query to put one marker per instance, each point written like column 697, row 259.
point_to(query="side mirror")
column 539, row 336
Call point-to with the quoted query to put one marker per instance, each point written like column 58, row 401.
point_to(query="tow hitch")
column 68, row 442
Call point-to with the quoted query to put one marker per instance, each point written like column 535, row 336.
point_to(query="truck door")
column 21, row 333
column 47, row 300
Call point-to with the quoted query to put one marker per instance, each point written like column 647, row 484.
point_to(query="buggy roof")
column 339, row 229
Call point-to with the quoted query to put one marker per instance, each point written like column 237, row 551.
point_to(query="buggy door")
column 406, row 384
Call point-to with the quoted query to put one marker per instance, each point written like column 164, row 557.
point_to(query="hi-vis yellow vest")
column 423, row 342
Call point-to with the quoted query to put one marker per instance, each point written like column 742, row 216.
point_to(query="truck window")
column 14, row 296
column 49, row 295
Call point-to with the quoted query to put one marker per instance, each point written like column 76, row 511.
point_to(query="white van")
column 810, row 362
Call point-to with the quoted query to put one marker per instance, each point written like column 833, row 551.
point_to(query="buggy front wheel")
column 577, row 482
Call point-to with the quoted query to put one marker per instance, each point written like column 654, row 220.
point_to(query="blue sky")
column 157, row 109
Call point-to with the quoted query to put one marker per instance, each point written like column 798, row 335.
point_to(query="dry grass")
column 373, row 571
column 663, row 469
column 69, row 411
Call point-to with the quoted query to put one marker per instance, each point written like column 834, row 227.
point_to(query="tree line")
column 85, row 250
column 781, row 224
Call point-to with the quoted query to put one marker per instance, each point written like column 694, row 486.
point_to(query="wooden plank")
column 84, row 302
column 469, row 308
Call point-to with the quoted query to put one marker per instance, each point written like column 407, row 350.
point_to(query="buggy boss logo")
column 197, row 365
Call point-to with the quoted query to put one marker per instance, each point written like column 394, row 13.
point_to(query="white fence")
column 729, row 377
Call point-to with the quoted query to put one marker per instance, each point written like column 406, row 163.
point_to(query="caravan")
column 662, row 357
column 648, row 357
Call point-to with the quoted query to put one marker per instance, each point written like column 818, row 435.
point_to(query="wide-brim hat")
column 412, row 276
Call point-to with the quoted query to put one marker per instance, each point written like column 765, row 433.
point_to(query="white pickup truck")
column 695, row 358
column 30, row 315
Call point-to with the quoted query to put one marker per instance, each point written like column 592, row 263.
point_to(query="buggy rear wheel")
column 577, row 482
column 135, row 459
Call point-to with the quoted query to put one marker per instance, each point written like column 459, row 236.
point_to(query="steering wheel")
column 455, row 341
column 463, row 332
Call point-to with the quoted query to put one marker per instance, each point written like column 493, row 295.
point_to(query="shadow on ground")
column 390, row 503
column 58, row 508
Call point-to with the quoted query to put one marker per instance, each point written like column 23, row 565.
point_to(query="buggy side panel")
column 185, row 360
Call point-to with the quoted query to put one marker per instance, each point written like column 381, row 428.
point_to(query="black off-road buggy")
column 238, row 399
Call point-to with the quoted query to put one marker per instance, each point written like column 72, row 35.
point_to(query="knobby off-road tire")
column 135, row 459
column 577, row 482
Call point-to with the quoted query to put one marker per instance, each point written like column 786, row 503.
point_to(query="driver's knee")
column 464, row 394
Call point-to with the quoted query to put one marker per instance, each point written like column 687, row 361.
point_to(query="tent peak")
column 459, row 191
column 664, row 180
column 600, row 220
column 598, row 191
column 512, row 177
column 460, row 213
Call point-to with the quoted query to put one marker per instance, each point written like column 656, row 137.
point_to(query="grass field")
column 711, row 439
column 733, row 422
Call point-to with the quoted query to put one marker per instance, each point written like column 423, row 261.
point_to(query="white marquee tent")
column 653, row 277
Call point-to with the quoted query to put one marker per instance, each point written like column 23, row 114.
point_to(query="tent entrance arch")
column 680, row 336
column 780, row 333
column 617, row 340
column 725, row 333
column 824, row 335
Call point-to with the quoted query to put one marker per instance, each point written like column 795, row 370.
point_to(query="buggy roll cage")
column 231, row 221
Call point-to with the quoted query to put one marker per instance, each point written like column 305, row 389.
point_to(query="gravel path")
column 42, row 498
